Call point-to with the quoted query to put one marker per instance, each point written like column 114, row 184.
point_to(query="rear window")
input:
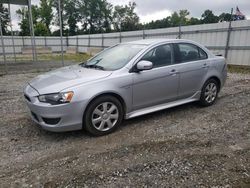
column 185, row 52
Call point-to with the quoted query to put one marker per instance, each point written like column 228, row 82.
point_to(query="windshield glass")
column 114, row 58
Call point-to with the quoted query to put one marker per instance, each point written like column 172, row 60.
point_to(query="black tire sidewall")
column 87, row 122
column 203, row 101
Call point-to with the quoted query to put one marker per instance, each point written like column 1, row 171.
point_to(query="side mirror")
column 144, row 65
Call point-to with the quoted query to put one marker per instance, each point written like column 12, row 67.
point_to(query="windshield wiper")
column 93, row 66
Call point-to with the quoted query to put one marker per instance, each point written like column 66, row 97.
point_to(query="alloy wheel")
column 105, row 116
column 210, row 92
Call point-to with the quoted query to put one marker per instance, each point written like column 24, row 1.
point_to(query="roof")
column 15, row 2
column 152, row 41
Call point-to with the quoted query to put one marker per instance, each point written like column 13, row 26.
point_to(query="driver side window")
column 159, row 56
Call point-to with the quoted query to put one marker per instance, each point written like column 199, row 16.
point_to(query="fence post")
column 102, row 41
column 33, row 40
column 179, row 36
column 89, row 41
column 3, row 47
column 23, row 40
column 77, row 43
column 143, row 33
column 61, row 30
column 12, row 35
column 120, row 37
column 228, row 34
column 45, row 41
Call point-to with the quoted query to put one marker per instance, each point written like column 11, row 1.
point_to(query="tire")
column 209, row 92
column 103, row 115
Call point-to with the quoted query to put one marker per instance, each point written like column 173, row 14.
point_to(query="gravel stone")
column 186, row 146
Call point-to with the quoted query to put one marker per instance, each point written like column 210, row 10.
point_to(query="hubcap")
column 105, row 116
column 210, row 92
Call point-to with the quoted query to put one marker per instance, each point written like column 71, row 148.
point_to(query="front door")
column 158, row 85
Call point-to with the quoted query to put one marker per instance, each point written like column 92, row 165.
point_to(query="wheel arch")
column 217, row 80
column 109, row 93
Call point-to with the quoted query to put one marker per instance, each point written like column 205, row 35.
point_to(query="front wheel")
column 103, row 115
column 209, row 92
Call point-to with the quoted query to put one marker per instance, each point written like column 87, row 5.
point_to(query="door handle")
column 205, row 65
column 173, row 72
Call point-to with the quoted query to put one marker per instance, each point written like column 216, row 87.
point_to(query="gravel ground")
column 186, row 146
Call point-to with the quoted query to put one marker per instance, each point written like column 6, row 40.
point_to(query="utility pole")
column 3, row 46
column 229, row 34
column 61, row 29
column 12, row 35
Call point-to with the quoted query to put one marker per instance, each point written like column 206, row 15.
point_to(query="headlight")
column 56, row 98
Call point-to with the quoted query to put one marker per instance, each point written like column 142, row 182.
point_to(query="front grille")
column 51, row 121
column 27, row 98
column 34, row 116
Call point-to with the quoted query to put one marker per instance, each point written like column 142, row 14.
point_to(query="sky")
column 149, row 10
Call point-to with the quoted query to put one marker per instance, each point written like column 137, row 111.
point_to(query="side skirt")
column 159, row 107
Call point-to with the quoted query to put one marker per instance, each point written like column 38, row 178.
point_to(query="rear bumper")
column 224, row 76
column 56, row 118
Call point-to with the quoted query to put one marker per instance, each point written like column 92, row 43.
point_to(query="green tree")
column 125, row 17
column 4, row 19
column 95, row 15
column 24, row 16
column 107, row 9
column 194, row 21
column 183, row 16
column 209, row 17
column 175, row 19
column 71, row 16
column 46, row 13
column 24, row 24
column 163, row 23
column 56, row 15
column 41, row 29
column 224, row 17
column 180, row 18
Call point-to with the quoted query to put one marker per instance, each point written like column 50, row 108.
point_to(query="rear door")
column 192, row 64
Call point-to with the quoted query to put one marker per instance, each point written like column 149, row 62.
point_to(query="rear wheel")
column 209, row 92
column 103, row 115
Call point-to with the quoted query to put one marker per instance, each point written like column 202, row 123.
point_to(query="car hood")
column 62, row 78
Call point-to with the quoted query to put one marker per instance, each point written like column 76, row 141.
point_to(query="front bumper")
column 55, row 118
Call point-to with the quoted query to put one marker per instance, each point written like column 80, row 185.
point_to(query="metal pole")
column 23, row 41
column 120, row 34
column 45, row 41
column 3, row 47
column 61, row 29
column 179, row 37
column 143, row 31
column 120, row 37
column 102, row 41
column 33, row 43
column 89, row 41
column 229, row 34
column 12, row 35
column 77, row 43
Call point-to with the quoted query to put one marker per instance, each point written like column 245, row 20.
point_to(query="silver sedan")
column 125, row 81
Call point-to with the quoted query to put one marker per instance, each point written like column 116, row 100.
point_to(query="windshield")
column 115, row 57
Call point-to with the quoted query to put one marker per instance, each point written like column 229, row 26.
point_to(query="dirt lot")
column 186, row 146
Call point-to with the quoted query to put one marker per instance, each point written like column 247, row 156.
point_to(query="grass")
column 79, row 57
column 244, row 69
